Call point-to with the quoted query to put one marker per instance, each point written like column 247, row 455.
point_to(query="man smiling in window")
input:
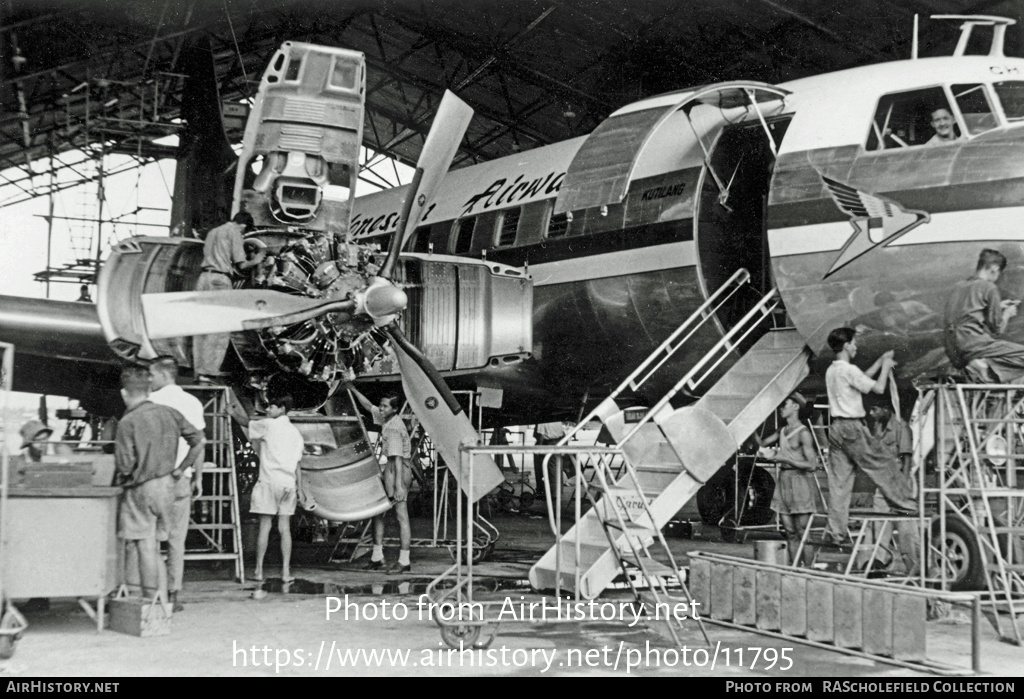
column 945, row 127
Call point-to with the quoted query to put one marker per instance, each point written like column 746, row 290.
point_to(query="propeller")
column 181, row 313
column 442, row 417
column 442, row 142
column 432, row 401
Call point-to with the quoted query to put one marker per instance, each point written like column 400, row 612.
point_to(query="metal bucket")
column 772, row 551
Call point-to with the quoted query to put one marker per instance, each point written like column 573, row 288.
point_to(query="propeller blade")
column 185, row 313
column 442, row 416
column 442, row 142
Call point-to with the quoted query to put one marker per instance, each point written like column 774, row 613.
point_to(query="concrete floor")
column 231, row 629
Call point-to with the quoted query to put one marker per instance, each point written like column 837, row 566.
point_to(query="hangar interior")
column 83, row 81
column 535, row 73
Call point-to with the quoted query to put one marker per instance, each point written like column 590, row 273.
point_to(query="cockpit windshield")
column 975, row 108
column 928, row 117
column 1011, row 96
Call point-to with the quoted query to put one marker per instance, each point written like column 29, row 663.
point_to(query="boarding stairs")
column 670, row 453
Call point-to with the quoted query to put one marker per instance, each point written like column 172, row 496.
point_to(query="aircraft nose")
column 385, row 300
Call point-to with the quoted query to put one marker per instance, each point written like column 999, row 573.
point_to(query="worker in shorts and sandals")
column 397, row 477
column 146, row 459
column 276, row 492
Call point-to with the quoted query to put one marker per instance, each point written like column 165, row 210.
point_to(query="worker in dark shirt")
column 976, row 318
column 145, row 454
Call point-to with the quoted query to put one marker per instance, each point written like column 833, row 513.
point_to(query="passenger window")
column 558, row 225
column 904, row 119
column 294, row 65
column 1011, row 94
column 464, row 235
column 421, row 240
column 975, row 108
column 509, row 226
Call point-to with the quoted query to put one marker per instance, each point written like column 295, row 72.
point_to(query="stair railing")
column 708, row 363
column 646, row 369
column 679, row 337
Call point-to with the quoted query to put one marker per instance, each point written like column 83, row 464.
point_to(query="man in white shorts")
column 276, row 491
column 163, row 373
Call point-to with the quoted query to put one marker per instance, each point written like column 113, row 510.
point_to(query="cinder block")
column 700, row 583
column 878, row 622
column 794, row 605
column 849, row 616
column 721, row 591
column 909, row 614
column 820, row 614
column 743, row 602
column 768, row 599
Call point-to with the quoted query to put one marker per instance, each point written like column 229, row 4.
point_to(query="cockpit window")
column 905, row 119
column 1011, row 94
column 975, row 108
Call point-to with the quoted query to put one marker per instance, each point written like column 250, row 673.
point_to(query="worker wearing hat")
column 33, row 438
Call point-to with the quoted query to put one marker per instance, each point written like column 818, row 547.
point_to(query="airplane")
column 547, row 276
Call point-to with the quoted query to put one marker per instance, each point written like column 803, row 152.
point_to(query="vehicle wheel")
column 459, row 636
column 963, row 555
column 482, row 547
column 714, row 499
column 504, row 497
column 730, row 533
column 762, row 487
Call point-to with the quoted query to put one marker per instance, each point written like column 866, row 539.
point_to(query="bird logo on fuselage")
column 876, row 221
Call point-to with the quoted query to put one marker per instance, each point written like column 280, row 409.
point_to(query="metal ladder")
column 981, row 482
column 627, row 519
column 215, row 514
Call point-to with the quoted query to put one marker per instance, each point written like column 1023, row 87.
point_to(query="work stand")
column 978, row 488
column 215, row 516
column 627, row 530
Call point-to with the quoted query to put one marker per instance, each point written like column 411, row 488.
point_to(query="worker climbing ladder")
column 215, row 514
column 980, row 457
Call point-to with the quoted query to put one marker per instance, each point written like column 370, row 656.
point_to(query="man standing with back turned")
column 848, row 437
column 223, row 255
column 165, row 391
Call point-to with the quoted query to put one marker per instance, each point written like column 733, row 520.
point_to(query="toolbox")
column 139, row 616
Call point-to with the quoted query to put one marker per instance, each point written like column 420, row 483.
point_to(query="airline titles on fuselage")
column 516, row 191
column 498, row 193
